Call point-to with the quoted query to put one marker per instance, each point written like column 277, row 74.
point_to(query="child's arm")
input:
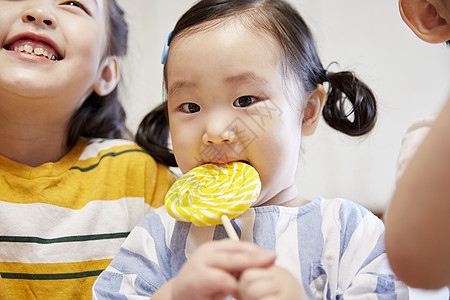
column 270, row 283
column 418, row 219
column 212, row 271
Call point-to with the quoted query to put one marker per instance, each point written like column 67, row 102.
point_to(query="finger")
column 269, row 283
column 238, row 256
column 233, row 246
column 210, row 284
column 258, row 284
column 238, row 262
column 250, row 276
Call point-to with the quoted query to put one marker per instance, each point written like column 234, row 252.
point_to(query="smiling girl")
column 71, row 188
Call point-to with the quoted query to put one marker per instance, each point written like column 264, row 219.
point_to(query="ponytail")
column 153, row 135
column 98, row 117
column 344, row 86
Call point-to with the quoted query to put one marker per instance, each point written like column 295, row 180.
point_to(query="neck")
column 32, row 138
column 288, row 197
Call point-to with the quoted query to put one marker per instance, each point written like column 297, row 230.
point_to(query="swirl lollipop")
column 210, row 192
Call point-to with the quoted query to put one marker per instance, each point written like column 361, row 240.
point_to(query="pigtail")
column 361, row 118
column 153, row 135
column 98, row 117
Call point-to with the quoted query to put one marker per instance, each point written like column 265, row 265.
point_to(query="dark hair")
column 153, row 135
column 300, row 58
column 104, row 116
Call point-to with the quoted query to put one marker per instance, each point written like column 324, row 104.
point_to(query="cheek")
column 87, row 40
column 180, row 132
column 277, row 151
column 184, row 144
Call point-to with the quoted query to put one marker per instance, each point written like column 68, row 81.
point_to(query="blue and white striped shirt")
column 335, row 248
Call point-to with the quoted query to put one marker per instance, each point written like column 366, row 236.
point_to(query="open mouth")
column 35, row 48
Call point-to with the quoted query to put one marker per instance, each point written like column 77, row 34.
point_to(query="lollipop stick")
column 229, row 228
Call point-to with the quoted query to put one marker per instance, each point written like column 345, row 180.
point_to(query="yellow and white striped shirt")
column 62, row 223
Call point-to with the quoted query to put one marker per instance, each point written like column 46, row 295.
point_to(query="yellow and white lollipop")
column 207, row 193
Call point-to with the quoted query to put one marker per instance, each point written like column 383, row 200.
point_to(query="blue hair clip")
column 166, row 49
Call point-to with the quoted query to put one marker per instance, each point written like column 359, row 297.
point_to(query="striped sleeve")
column 141, row 266
column 360, row 267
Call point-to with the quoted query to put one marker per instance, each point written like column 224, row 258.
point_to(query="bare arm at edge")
column 418, row 218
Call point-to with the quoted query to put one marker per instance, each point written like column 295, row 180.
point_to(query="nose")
column 39, row 16
column 216, row 134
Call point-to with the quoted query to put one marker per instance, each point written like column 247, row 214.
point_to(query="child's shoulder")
column 348, row 214
column 97, row 147
column 118, row 152
column 344, row 206
column 341, row 208
column 334, row 212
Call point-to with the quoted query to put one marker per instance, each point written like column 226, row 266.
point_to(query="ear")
column 313, row 110
column 108, row 76
column 425, row 18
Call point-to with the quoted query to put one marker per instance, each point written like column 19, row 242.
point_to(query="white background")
column 409, row 77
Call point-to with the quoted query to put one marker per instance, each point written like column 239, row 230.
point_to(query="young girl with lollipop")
column 244, row 84
column 70, row 189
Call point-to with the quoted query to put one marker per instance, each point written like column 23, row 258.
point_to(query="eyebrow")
column 235, row 79
column 246, row 77
column 180, row 85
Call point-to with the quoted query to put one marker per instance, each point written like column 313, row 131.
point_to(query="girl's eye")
column 76, row 4
column 244, row 101
column 190, row 108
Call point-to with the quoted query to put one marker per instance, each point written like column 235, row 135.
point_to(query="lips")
column 222, row 161
column 36, row 45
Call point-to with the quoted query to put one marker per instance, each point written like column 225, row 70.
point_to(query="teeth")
column 36, row 51
column 28, row 49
